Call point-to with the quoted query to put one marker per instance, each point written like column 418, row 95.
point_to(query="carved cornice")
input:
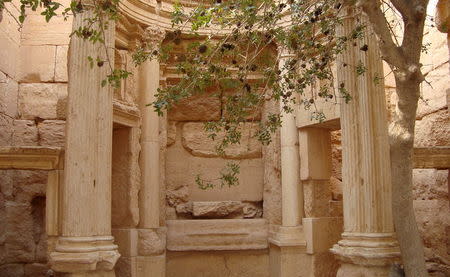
column 31, row 157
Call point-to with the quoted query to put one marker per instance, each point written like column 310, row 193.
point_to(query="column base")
column 85, row 254
column 366, row 254
column 288, row 252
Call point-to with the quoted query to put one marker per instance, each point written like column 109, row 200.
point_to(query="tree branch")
column 391, row 53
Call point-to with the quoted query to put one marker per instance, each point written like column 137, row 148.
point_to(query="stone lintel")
column 432, row 157
column 217, row 234
column 31, row 157
column 81, row 254
column 368, row 249
column 126, row 115
column 286, row 236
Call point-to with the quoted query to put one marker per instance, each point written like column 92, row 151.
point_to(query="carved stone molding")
column 287, row 236
column 217, row 234
column 154, row 35
column 369, row 249
column 31, row 157
column 81, row 254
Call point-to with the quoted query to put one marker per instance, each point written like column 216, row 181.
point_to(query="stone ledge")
column 217, row 234
column 432, row 157
column 31, row 157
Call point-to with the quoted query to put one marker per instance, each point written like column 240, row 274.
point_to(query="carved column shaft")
column 86, row 243
column 292, row 193
column 150, row 167
column 368, row 237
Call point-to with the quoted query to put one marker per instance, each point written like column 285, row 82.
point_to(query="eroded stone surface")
column 25, row 133
column 222, row 209
column 42, row 100
column 196, row 108
column 52, row 133
column 433, row 130
column 197, row 142
column 151, row 241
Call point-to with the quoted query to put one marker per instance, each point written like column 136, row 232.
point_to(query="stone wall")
column 33, row 92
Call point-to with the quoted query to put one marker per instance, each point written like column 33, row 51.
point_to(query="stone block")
column 42, row 100
column 127, row 240
column 9, row 56
column 430, row 184
column 11, row 270
column 317, row 195
column 126, row 266
column 36, row 270
column 171, row 133
column 315, row 153
column 151, row 241
column 184, row 167
column 253, row 263
column 25, row 133
column 156, row 265
column 52, row 133
column 196, row 108
column 61, row 63
column 9, row 90
column 177, row 196
column 217, row 234
column 290, row 261
column 197, row 142
column 433, row 130
column 252, row 209
column 217, row 209
column 6, row 130
column 433, row 220
column 38, row 32
column 37, row 64
column 322, row 233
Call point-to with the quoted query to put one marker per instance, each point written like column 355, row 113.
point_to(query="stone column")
column 287, row 243
column 151, row 256
column 85, row 246
column 368, row 245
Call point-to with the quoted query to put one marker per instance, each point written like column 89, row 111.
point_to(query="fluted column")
column 368, row 244
column 85, row 245
column 151, row 233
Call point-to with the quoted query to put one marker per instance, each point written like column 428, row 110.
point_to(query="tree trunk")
column 401, row 132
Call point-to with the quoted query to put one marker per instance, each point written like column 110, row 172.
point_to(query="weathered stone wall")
column 215, row 264
column 33, row 91
column 190, row 152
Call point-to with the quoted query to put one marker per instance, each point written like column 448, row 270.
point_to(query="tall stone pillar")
column 287, row 243
column 368, row 245
column 85, row 246
column 151, row 256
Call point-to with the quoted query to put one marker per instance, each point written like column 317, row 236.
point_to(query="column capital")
column 154, row 34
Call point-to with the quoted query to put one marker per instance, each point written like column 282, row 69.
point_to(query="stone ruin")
column 88, row 189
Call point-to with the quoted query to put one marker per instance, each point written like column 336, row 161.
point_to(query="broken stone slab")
column 217, row 209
